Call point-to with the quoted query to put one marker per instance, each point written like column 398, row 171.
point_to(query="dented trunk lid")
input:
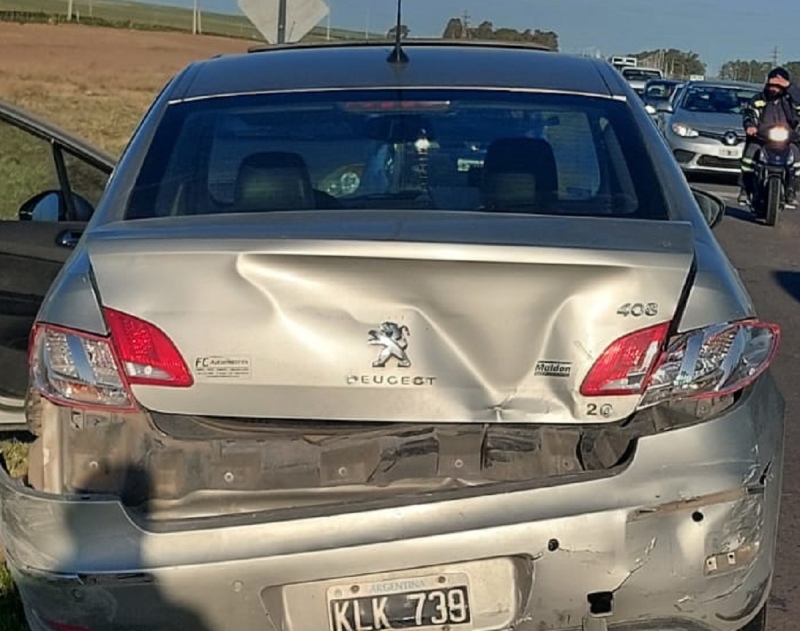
column 417, row 316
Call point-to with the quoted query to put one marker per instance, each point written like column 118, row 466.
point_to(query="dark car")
column 497, row 375
column 657, row 92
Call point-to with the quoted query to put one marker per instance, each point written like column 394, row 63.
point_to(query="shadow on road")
column 789, row 282
column 133, row 599
column 724, row 179
column 741, row 213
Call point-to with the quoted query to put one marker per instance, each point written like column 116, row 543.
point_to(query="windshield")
column 638, row 74
column 716, row 100
column 383, row 150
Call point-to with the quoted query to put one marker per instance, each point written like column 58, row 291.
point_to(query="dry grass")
column 97, row 83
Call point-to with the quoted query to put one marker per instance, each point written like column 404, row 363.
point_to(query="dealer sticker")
column 222, row 367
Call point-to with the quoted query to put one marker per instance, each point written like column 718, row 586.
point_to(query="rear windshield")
column 637, row 74
column 490, row 151
column 661, row 91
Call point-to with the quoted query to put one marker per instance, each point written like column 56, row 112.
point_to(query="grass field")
column 96, row 82
column 161, row 16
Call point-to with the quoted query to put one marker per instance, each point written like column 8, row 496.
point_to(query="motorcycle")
column 773, row 169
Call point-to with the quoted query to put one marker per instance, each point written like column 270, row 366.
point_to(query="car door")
column 50, row 183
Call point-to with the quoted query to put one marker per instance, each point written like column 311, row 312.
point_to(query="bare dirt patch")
column 96, row 81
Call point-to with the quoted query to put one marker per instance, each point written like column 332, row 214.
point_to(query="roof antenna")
column 398, row 55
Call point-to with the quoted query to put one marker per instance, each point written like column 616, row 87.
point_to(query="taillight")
column 147, row 354
column 625, row 365
column 713, row 362
column 710, row 362
column 75, row 367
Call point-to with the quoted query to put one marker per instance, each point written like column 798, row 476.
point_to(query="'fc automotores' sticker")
column 222, row 368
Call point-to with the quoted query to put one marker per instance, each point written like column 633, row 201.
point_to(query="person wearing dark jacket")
column 777, row 104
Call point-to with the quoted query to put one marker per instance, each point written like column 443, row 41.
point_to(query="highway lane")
column 768, row 260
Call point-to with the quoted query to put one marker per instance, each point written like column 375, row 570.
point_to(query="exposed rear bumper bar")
column 684, row 535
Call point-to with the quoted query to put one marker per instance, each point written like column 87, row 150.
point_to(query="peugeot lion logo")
column 392, row 338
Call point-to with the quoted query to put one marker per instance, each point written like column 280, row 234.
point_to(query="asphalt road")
column 768, row 260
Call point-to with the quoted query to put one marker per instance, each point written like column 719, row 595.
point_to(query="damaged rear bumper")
column 683, row 538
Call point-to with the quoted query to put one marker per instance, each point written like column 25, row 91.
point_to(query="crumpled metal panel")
column 394, row 316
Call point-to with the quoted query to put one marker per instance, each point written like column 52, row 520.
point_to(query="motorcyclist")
column 777, row 104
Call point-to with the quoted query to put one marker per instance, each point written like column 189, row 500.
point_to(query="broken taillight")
column 713, row 362
column 75, row 367
column 710, row 362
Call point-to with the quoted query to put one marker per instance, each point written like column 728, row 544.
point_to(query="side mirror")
column 51, row 206
column 712, row 207
column 665, row 108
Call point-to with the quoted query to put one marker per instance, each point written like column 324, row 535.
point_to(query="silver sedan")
column 704, row 126
column 360, row 340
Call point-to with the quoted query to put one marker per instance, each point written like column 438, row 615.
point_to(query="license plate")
column 360, row 608
column 729, row 153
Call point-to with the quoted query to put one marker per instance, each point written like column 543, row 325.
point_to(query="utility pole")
column 775, row 57
column 69, row 11
column 281, row 21
column 465, row 20
column 330, row 10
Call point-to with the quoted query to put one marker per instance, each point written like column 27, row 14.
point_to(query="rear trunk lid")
column 416, row 317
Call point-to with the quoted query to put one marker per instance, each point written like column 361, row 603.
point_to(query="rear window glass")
column 637, row 74
column 659, row 90
column 489, row 151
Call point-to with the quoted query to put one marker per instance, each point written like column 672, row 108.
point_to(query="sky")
column 718, row 30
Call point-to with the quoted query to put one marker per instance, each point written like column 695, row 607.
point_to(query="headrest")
column 274, row 180
column 519, row 173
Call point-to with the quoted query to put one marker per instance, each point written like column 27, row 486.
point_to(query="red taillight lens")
column 147, row 355
column 624, row 367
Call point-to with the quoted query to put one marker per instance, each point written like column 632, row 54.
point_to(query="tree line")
column 754, row 71
column 458, row 28
column 678, row 64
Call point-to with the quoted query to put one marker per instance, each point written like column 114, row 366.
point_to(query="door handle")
column 69, row 238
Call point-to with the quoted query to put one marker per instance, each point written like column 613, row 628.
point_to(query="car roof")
column 432, row 64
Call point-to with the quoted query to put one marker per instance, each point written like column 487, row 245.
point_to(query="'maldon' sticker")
column 222, row 367
column 553, row 369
